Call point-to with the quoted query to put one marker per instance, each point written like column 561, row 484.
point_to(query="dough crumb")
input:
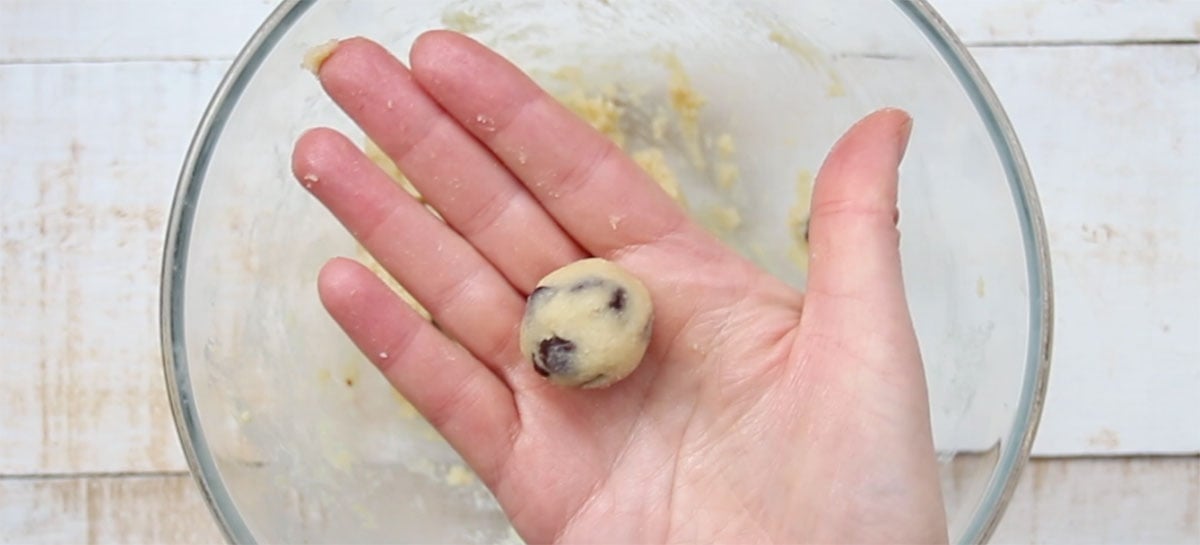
column 407, row 411
column 797, row 220
column 725, row 146
column 431, row 434
column 687, row 103
column 759, row 252
column 486, row 123
column 601, row 111
column 462, row 21
column 799, row 257
column 723, row 219
column 980, row 288
column 658, row 127
column 655, row 164
column 684, row 98
column 340, row 459
column 836, row 87
column 459, row 475
column 381, row 160
column 791, row 43
column 569, row 74
column 810, row 55
column 369, row 261
column 316, row 56
column 727, row 174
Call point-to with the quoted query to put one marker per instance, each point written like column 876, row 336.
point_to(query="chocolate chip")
column 594, row 380
column 538, row 368
column 540, row 292
column 537, row 298
column 556, row 354
column 587, row 283
column 617, row 301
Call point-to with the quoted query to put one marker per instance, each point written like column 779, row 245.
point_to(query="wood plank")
column 1105, row 500
column 1112, row 135
column 93, row 156
column 1059, row 501
column 89, row 30
column 89, row 161
column 139, row 509
column 981, row 22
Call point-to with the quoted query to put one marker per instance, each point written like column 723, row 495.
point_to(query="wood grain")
column 96, row 177
column 107, row 30
column 126, row 30
column 129, row 509
column 1059, row 501
column 88, row 163
column 1105, row 500
column 1112, row 135
column 1015, row 22
column 101, row 97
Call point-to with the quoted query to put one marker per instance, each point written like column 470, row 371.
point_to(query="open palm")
column 759, row 413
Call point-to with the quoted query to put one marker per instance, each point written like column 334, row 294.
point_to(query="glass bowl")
column 293, row 437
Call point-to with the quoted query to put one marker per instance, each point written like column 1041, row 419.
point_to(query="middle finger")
column 454, row 172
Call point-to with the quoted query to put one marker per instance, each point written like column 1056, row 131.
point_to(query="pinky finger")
column 468, row 404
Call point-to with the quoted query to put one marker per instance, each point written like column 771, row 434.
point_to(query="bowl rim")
column 1014, row 450
column 201, row 463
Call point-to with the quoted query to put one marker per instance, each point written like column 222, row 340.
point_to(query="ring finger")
column 465, row 295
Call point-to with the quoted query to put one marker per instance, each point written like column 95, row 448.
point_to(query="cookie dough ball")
column 587, row 324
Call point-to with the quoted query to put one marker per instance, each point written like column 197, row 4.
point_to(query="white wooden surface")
column 1112, row 134
column 1105, row 500
column 1084, row 22
column 98, row 99
column 1059, row 502
column 154, row 508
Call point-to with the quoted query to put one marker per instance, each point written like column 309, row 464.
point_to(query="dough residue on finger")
column 317, row 55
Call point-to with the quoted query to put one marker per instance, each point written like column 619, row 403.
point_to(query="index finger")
column 601, row 197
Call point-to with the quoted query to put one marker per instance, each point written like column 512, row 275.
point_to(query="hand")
column 759, row 413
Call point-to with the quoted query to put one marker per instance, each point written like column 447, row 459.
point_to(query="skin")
column 759, row 414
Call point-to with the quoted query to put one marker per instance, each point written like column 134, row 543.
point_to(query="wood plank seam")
column 19, row 61
column 982, row 44
column 92, row 475
column 1082, row 43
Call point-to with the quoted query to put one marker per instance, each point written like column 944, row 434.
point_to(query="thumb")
column 854, row 256
column 855, row 304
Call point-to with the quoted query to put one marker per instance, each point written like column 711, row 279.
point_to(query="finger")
column 467, row 404
column 462, row 291
column 597, row 194
column 461, row 179
column 854, row 256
